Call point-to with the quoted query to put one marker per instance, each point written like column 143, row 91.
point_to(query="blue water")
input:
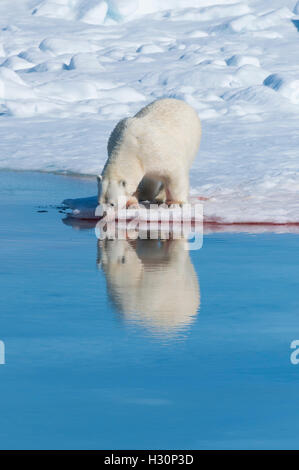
column 88, row 367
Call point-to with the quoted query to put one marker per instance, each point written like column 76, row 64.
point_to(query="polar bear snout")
column 109, row 191
column 114, row 193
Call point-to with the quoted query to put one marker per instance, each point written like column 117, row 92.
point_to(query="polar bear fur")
column 151, row 282
column 150, row 155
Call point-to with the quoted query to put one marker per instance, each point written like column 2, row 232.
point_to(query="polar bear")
column 151, row 282
column 150, row 155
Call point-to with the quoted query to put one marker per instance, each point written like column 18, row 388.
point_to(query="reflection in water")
column 151, row 282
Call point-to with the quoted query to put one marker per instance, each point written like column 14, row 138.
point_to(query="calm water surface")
column 121, row 345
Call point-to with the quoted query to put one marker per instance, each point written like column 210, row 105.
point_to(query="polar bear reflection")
column 151, row 282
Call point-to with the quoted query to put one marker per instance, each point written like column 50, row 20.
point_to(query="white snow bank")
column 56, row 46
column 100, row 11
column 2, row 51
column 239, row 60
column 65, row 83
column 33, row 55
column 70, row 91
column 211, row 12
column 248, row 75
column 149, row 49
column 251, row 22
column 16, row 63
column 287, row 87
column 85, row 62
column 12, row 86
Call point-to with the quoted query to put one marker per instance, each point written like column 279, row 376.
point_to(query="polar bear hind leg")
column 177, row 188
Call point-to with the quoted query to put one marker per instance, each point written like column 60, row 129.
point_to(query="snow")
column 70, row 69
column 287, row 87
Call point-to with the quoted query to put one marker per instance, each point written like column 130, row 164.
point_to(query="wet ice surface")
column 70, row 69
column 104, row 351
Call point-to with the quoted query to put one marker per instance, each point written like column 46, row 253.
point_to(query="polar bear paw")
column 171, row 203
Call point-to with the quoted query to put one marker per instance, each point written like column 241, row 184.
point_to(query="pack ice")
column 70, row 69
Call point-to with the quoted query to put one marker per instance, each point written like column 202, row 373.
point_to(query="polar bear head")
column 123, row 170
column 118, row 184
column 116, row 192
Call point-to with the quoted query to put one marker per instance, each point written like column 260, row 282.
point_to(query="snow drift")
column 70, row 69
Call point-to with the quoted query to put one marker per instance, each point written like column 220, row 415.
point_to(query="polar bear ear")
column 99, row 177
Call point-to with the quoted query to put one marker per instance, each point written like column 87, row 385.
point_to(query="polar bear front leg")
column 177, row 188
